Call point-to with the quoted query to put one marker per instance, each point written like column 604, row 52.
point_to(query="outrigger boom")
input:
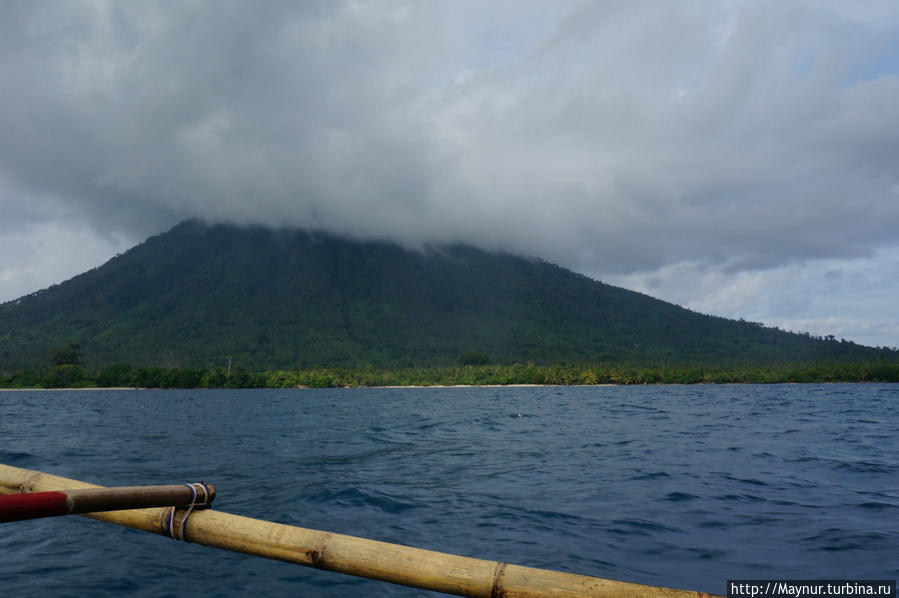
column 415, row 567
column 16, row 507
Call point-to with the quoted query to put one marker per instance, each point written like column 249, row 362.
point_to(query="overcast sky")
column 737, row 158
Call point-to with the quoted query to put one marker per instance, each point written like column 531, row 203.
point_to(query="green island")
column 228, row 307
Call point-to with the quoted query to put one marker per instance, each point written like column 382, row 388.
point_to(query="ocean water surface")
column 680, row 486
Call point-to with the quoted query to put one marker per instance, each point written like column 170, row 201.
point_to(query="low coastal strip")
column 127, row 376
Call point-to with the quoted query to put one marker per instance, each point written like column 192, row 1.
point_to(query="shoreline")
column 301, row 387
column 86, row 388
column 412, row 386
column 478, row 385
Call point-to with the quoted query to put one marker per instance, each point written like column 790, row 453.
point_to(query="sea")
column 677, row 486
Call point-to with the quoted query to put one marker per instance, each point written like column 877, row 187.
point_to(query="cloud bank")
column 616, row 138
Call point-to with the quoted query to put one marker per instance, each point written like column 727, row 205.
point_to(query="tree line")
column 74, row 375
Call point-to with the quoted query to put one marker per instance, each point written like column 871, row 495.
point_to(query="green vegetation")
column 474, row 358
column 557, row 374
column 123, row 375
column 71, row 354
column 190, row 299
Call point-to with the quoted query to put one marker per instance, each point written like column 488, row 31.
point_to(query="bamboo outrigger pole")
column 394, row 563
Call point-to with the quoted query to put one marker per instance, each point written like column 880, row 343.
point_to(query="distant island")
column 223, row 305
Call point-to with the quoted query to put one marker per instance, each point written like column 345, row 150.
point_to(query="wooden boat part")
column 416, row 567
column 16, row 507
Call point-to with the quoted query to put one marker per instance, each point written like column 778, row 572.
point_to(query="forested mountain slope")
column 199, row 294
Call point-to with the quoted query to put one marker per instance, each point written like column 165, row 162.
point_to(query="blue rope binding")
column 170, row 527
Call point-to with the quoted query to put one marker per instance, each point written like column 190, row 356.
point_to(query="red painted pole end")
column 15, row 507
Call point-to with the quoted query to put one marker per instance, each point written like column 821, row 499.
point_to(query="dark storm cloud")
column 620, row 137
column 231, row 111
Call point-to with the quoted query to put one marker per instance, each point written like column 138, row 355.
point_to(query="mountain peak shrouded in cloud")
column 199, row 294
column 641, row 142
